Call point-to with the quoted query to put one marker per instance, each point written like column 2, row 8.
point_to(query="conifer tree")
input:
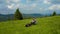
column 18, row 15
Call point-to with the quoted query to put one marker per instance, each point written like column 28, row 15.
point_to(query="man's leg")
column 34, row 23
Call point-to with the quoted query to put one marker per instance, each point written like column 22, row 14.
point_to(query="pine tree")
column 18, row 15
column 54, row 13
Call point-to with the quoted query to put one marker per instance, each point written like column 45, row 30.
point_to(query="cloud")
column 22, row 6
column 15, row 1
column 30, row 7
column 10, row 6
column 33, row 1
column 55, row 1
column 34, row 5
column 46, row 2
column 28, row 1
column 54, row 7
column 2, row 1
column 43, row 9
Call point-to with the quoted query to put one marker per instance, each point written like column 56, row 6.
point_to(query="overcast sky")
column 29, row 6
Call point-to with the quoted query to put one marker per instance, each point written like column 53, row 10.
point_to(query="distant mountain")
column 32, row 15
column 5, row 17
column 11, row 16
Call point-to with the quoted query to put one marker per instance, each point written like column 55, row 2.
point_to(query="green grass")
column 47, row 25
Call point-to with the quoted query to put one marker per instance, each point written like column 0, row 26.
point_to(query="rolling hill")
column 47, row 25
column 11, row 16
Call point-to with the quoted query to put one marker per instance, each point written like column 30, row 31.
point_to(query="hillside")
column 47, row 25
column 11, row 16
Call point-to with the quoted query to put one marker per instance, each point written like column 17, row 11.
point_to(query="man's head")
column 34, row 18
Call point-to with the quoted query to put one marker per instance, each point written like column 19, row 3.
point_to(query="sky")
column 29, row 6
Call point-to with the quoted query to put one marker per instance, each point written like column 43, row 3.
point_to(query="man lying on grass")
column 33, row 22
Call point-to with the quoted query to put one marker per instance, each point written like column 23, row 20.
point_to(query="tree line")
column 18, row 15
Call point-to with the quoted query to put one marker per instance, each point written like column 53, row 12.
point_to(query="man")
column 33, row 21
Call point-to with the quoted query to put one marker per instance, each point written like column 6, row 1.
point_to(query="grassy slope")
column 48, row 25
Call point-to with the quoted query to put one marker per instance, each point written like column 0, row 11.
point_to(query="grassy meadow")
column 45, row 25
